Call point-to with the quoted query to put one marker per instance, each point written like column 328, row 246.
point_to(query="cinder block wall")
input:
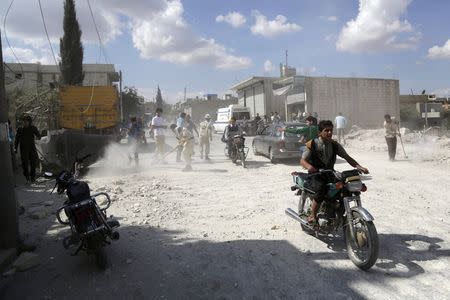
column 363, row 101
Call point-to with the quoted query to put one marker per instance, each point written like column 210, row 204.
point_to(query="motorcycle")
column 341, row 209
column 91, row 229
column 238, row 149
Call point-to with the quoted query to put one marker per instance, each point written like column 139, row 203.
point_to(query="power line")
column 102, row 48
column 6, row 36
column 46, row 33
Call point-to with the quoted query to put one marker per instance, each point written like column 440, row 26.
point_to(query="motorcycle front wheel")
column 242, row 157
column 362, row 249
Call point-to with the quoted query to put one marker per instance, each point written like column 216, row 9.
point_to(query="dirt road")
column 220, row 232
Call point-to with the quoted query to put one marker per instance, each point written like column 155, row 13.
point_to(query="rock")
column 273, row 253
column 26, row 260
column 154, row 198
column 275, row 227
column 307, row 252
column 205, row 235
column 9, row 273
column 37, row 213
column 49, row 203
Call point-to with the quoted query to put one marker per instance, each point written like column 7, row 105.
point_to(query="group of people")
column 183, row 129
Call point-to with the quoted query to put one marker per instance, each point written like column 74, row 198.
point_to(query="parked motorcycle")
column 238, row 149
column 340, row 209
column 91, row 229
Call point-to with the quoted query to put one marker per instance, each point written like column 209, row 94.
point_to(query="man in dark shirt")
column 320, row 153
column 25, row 137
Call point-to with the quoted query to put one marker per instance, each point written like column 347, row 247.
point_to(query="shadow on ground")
column 151, row 263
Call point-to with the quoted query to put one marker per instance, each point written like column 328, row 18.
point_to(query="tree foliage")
column 71, row 48
column 132, row 102
column 159, row 100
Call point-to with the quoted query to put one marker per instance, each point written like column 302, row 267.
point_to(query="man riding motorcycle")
column 231, row 130
column 320, row 153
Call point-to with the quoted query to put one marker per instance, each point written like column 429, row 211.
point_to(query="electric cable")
column 101, row 50
column 48, row 38
column 7, row 40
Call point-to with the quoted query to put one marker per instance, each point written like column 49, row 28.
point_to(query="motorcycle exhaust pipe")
column 296, row 217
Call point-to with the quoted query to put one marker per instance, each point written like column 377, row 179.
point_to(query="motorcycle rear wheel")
column 362, row 249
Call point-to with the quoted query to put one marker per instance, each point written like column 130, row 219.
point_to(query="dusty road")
column 220, row 232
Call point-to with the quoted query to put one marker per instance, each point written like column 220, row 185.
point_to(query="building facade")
column 363, row 101
column 257, row 94
column 30, row 76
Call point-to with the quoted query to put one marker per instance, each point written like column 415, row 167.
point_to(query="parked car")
column 274, row 142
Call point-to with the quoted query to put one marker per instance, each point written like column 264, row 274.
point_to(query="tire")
column 101, row 260
column 255, row 152
column 369, row 237
column 271, row 157
column 242, row 157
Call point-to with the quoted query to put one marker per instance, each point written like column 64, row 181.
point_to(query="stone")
column 37, row 213
column 274, row 227
column 9, row 273
column 26, row 260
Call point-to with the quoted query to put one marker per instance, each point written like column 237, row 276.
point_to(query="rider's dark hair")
column 159, row 110
column 325, row 123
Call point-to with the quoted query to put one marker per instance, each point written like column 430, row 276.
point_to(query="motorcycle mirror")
column 48, row 174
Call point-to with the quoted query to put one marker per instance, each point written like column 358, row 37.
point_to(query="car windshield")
column 241, row 115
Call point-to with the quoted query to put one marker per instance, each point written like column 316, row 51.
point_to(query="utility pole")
column 9, row 224
column 120, row 96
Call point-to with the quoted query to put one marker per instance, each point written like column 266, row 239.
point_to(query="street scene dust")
column 240, row 150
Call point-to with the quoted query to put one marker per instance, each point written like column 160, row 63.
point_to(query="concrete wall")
column 41, row 75
column 363, row 101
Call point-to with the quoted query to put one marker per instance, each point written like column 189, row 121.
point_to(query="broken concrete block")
column 26, row 260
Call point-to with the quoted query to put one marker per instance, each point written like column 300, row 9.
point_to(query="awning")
column 282, row 91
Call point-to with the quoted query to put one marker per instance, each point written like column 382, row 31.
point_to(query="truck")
column 88, row 119
column 241, row 113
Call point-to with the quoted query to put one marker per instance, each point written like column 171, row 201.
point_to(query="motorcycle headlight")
column 354, row 186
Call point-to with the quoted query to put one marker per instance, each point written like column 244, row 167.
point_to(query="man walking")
column 187, row 142
column 28, row 154
column 206, row 129
column 180, row 124
column 391, row 127
column 340, row 123
column 134, row 139
column 158, row 128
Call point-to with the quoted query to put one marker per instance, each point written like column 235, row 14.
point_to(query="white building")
column 257, row 94
column 28, row 76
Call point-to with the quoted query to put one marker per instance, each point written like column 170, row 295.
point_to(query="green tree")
column 159, row 100
column 70, row 47
column 132, row 102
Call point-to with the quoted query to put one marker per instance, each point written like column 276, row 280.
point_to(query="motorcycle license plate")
column 85, row 218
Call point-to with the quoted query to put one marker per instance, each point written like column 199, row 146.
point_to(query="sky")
column 207, row 46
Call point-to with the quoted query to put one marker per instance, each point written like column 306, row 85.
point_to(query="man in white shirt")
column 158, row 128
column 206, row 129
column 341, row 123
